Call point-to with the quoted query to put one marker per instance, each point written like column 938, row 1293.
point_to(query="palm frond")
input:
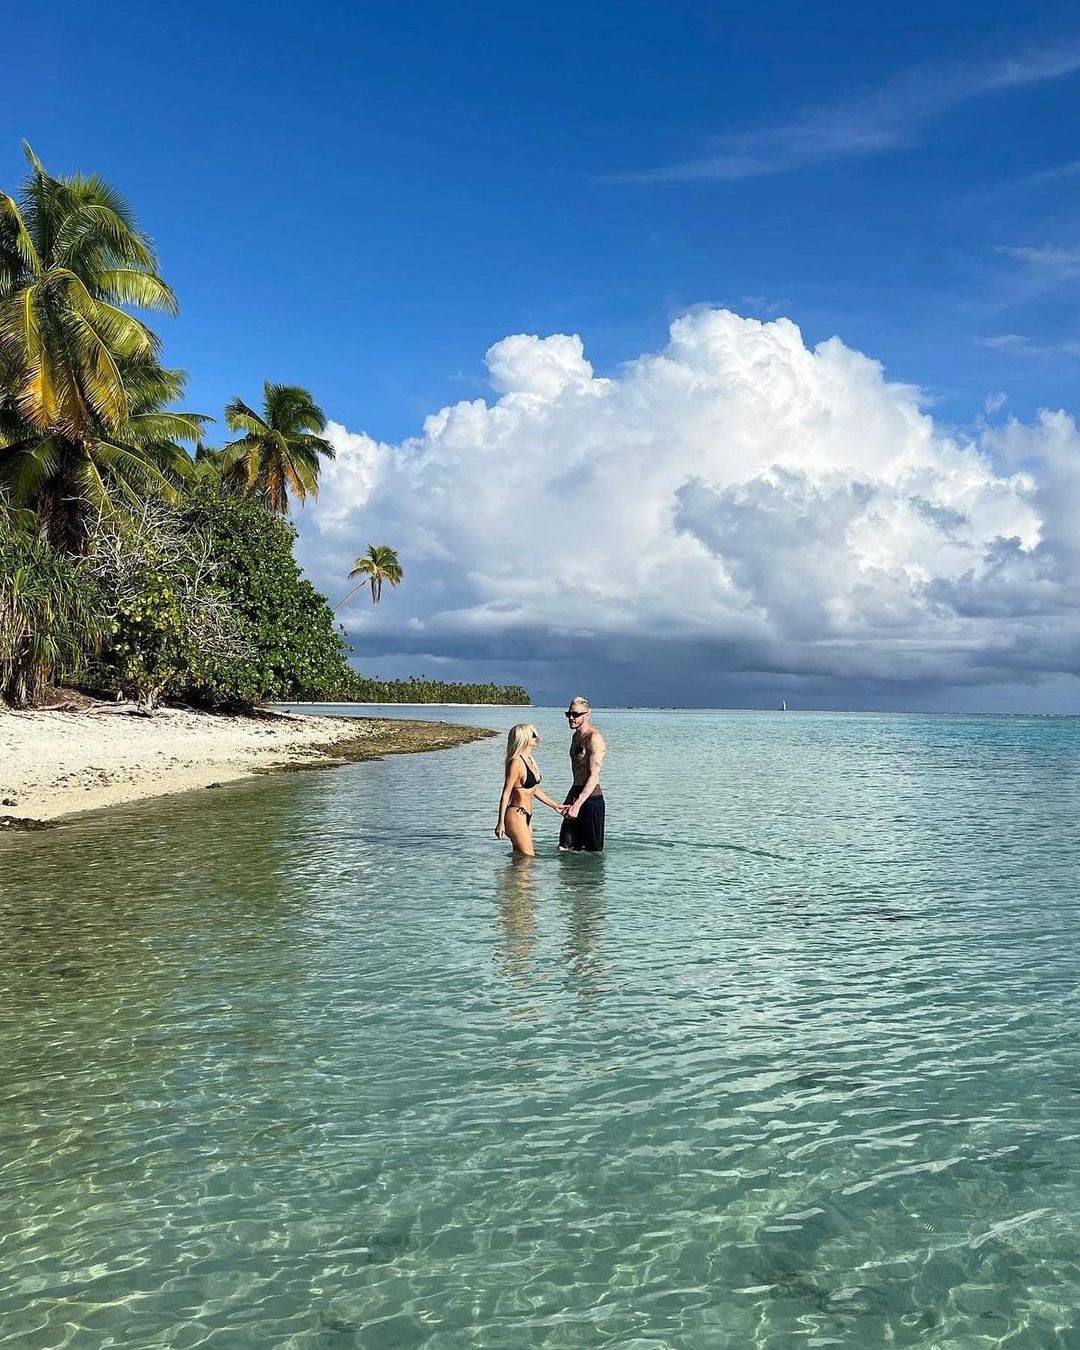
column 150, row 386
column 273, row 487
column 146, row 428
column 24, row 471
column 291, row 409
column 126, row 336
column 102, row 385
column 300, row 478
column 240, row 462
column 317, row 445
column 239, row 417
column 127, row 286
column 130, row 470
column 95, row 227
column 16, row 247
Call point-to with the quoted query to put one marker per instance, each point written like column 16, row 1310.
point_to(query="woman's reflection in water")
column 581, row 881
column 517, row 923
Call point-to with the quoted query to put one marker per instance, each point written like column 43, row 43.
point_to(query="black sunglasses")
column 571, row 713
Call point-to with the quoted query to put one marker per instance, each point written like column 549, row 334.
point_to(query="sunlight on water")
column 310, row 1062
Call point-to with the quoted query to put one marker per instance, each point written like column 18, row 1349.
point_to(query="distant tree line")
column 134, row 558
column 417, row 689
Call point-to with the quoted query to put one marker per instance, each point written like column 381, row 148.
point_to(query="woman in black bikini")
column 520, row 788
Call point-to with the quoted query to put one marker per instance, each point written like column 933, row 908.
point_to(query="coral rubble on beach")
column 56, row 763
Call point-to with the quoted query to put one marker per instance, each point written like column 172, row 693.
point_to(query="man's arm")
column 595, row 760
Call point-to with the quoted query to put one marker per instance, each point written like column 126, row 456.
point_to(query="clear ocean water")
column 310, row 1062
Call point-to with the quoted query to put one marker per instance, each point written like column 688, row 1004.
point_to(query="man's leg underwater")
column 590, row 837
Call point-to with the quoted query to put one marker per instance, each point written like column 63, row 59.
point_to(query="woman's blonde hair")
column 519, row 740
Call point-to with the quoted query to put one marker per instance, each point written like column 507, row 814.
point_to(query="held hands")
column 560, row 808
column 571, row 812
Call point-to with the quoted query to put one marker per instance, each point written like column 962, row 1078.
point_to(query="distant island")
column 416, row 689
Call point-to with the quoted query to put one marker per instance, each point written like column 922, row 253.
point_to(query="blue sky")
column 364, row 197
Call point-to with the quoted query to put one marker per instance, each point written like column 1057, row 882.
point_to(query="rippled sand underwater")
column 311, row 1062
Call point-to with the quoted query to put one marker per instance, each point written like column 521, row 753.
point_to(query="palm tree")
column 209, row 465
column 68, row 484
column 279, row 450
column 377, row 565
column 71, row 255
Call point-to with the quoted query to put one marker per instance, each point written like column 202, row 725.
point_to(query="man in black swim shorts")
column 583, row 824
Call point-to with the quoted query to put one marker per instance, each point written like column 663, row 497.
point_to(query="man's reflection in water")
column 581, row 885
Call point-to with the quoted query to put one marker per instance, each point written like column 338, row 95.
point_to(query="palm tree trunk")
column 62, row 511
column 349, row 596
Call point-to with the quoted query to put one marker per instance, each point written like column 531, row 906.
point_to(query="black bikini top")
column 531, row 779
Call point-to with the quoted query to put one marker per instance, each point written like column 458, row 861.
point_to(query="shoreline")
column 55, row 765
column 338, row 703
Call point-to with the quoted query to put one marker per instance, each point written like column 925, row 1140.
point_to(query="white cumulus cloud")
column 736, row 499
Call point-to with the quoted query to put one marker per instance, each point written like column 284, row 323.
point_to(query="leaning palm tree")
column 377, row 565
column 71, row 256
column 280, row 448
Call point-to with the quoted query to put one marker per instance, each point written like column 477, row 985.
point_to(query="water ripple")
column 792, row 1065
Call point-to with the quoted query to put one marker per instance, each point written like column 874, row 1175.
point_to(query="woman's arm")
column 542, row 796
column 514, row 775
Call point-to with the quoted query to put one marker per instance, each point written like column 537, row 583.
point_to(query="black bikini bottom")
column 526, row 814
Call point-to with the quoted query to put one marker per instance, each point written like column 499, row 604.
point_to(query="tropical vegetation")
column 280, row 448
column 417, row 689
column 82, row 394
column 134, row 558
column 52, row 616
column 378, row 564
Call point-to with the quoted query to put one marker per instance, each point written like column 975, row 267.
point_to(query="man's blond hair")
column 582, row 702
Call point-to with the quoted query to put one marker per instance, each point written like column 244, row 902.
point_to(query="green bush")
column 174, row 631
column 296, row 650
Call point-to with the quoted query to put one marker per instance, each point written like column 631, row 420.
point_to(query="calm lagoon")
column 310, row 1062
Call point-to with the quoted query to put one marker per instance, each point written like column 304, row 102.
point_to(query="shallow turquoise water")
column 308, row 1062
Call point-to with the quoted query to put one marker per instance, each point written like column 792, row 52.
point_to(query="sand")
column 56, row 763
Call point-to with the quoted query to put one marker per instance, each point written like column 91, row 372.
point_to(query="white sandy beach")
column 54, row 763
